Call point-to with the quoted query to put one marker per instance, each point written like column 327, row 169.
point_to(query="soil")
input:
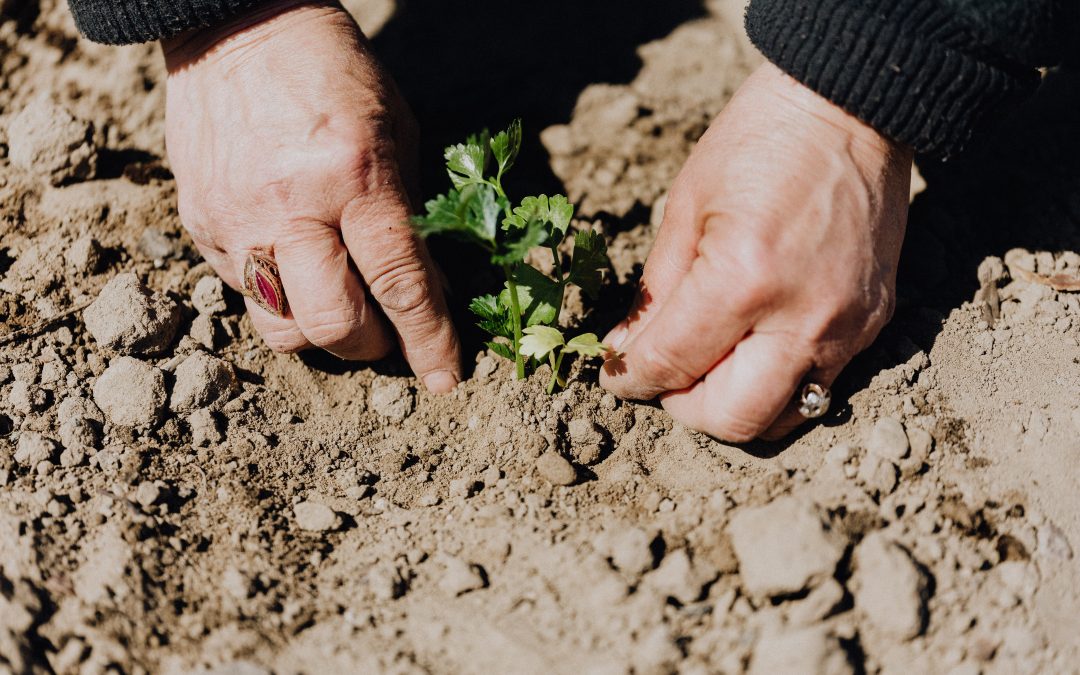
column 176, row 498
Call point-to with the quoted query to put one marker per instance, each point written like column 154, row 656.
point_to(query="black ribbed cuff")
column 122, row 22
column 899, row 66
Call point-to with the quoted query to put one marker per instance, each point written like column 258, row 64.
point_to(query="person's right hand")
column 286, row 138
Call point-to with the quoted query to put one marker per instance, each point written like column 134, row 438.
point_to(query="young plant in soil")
column 477, row 210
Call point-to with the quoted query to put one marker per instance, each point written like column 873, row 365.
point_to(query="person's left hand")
column 775, row 263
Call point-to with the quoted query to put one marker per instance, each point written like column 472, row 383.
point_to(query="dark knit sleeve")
column 922, row 72
column 121, row 22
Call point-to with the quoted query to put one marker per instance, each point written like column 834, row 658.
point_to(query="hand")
column 775, row 263
column 285, row 137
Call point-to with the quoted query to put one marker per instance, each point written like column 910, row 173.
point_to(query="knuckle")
column 737, row 427
column 403, row 289
column 657, row 368
column 288, row 341
column 332, row 332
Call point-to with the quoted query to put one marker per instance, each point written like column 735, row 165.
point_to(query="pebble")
column 920, row 442
column 237, row 584
column 630, row 550
column 888, row 440
column 84, row 255
column 73, row 456
column 128, row 318
column 79, row 432
column 315, row 517
column 463, row 487
column 202, row 381
column 676, row 577
column 391, row 398
column 204, row 428
column 587, row 439
column 809, row 651
column 147, row 493
column 33, row 448
column 208, row 297
column 783, row 547
column 48, row 141
column 204, row 331
column 555, row 469
column 460, row 577
column 26, row 398
column 130, row 392
column 877, row 474
column 1052, row 542
column 818, row 604
column 889, row 588
column 385, row 582
column 78, row 406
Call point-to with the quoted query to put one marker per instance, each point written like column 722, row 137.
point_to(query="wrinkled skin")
column 286, row 137
column 775, row 263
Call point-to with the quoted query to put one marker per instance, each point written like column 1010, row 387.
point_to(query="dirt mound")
column 176, row 498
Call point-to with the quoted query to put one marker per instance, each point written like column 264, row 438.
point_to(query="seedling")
column 477, row 210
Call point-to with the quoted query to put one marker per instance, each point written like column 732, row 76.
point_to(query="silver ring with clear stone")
column 814, row 400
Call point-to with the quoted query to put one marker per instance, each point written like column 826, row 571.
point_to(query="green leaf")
column 515, row 246
column 466, row 162
column 586, row 344
column 471, row 214
column 445, row 213
column 506, row 145
column 590, row 258
column 539, row 296
column 539, row 341
column 555, row 212
column 484, row 208
column 494, row 315
column 502, row 349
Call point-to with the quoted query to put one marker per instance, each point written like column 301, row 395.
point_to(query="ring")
column 814, row 400
column 262, row 283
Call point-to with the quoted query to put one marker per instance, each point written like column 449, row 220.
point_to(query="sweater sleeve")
column 120, row 22
column 922, row 72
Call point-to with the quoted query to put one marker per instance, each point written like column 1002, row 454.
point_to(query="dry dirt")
column 176, row 498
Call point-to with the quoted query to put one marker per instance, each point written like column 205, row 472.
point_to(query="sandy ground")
column 176, row 498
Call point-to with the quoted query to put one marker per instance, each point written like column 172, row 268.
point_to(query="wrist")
column 243, row 31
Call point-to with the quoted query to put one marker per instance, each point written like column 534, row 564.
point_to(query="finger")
column 790, row 418
column 697, row 325
column 739, row 398
column 404, row 282
column 326, row 297
column 672, row 254
column 280, row 333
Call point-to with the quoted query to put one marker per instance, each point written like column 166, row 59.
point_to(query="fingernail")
column 617, row 336
column 440, row 382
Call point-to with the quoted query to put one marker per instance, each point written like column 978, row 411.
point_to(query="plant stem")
column 515, row 319
column 556, row 365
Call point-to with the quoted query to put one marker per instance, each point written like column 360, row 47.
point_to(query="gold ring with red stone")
column 262, row 283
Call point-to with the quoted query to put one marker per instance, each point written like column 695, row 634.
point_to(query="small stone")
column 877, row 474
column 204, row 428
column 676, row 577
column 555, row 469
column 460, row 577
column 72, row 456
column 803, row 651
column 841, row 453
column 486, row 367
column 147, row 493
column 630, row 550
column 77, row 406
column 391, row 398
column 128, row 318
column 921, row 443
column 385, row 582
column 79, row 432
column 315, row 517
column 33, row 448
column 818, row 604
column 587, row 440
column 48, row 141
column 130, row 393
column 83, row 257
column 204, row 331
column 26, row 398
column 783, row 547
column 202, row 380
column 208, row 297
column 156, row 245
column 889, row 588
column 888, row 440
